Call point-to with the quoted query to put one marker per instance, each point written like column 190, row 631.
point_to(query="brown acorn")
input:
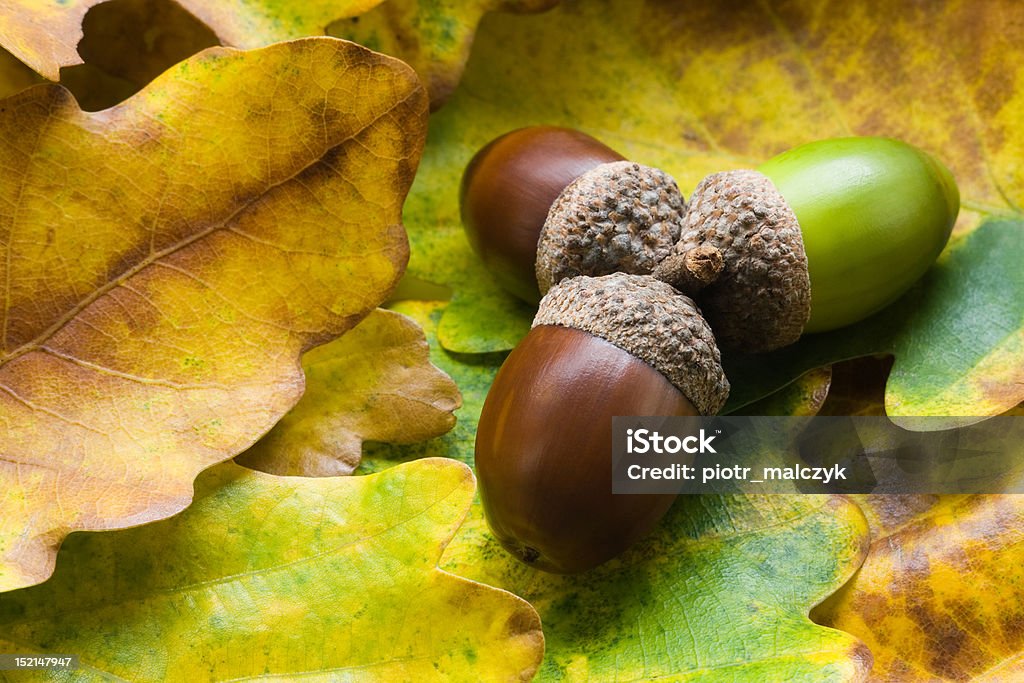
column 508, row 189
column 543, row 204
column 600, row 347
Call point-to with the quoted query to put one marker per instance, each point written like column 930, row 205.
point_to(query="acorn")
column 614, row 345
column 542, row 204
column 508, row 189
column 819, row 237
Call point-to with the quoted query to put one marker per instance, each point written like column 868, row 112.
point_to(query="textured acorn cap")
column 652, row 322
column 618, row 217
column 762, row 298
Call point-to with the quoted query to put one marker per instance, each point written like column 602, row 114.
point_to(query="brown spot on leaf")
column 862, row 658
column 523, row 621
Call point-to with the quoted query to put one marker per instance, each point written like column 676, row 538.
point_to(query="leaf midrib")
column 152, row 258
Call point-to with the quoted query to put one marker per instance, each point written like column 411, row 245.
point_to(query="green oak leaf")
column 957, row 337
column 720, row 591
column 281, row 578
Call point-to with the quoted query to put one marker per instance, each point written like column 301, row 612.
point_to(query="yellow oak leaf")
column 45, row 33
column 374, row 383
column 941, row 594
column 935, row 581
column 938, row 596
column 126, row 43
column 168, row 260
column 282, row 578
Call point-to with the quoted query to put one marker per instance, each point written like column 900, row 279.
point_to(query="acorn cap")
column 649, row 320
column 618, row 217
column 762, row 298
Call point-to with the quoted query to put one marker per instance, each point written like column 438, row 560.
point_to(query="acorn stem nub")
column 691, row 271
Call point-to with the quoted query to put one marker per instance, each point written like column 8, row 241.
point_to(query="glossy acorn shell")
column 544, row 449
column 508, row 188
column 874, row 215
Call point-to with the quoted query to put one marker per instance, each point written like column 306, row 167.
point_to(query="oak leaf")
column 125, row 43
column 167, row 262
column 374, row 383
column 285, row 577
column 940, row 595
column 721, row 590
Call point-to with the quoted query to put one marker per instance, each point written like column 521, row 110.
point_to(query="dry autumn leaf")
column 167, row 262
column 940, row 595
column 235, row 588
column 45, row 34
column 472, row 374
column 128, row 42
column 374, row 383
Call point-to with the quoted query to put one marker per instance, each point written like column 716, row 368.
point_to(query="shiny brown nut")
column 509, row 187
column 600, row 347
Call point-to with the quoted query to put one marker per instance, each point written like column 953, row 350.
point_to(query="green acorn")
column 819, row 237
